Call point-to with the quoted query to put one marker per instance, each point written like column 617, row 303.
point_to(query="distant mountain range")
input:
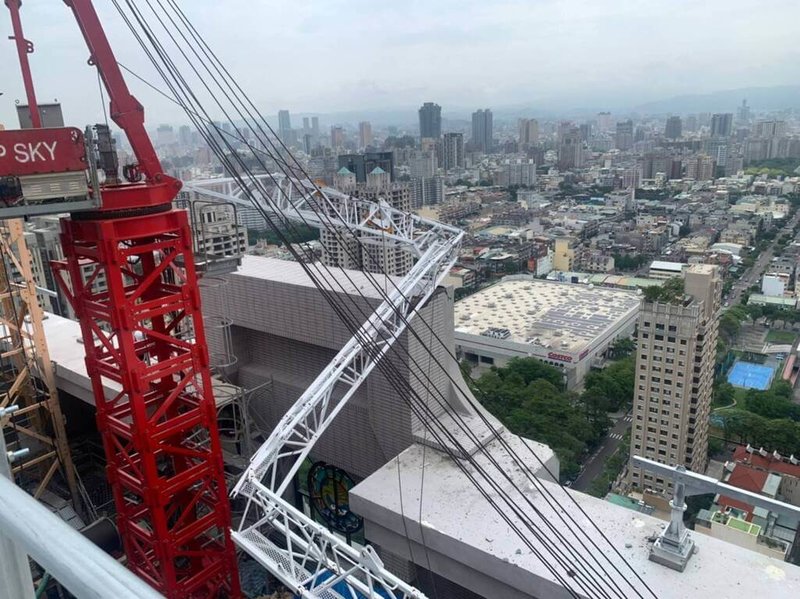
column 759, row 98
column 405, row 117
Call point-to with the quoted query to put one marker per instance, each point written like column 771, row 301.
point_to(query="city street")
column 594, row 467
column 753, row 274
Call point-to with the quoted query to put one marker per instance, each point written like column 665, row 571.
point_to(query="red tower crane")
column 159, row 429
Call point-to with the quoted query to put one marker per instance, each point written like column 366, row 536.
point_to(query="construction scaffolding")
column 27, row 379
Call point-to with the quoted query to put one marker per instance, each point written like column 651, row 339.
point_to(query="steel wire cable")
column 447, row 348
column 212, row 143
column 523, row 465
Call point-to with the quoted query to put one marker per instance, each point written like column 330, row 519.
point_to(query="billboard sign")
column 25, row 152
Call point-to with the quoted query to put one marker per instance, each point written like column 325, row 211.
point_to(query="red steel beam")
column 159, row 432
column 24, row 47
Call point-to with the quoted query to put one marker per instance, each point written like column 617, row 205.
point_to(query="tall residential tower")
column 453, row 151
column 430, row 121
column 482, row 131
column 677, row 344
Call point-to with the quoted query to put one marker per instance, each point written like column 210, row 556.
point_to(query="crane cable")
column 213, row 143
column 223, row 157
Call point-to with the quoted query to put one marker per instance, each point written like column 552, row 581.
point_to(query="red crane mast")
column 164, row 460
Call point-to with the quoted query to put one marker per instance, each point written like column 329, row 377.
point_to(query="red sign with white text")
column 559, row 357
column 40, row 151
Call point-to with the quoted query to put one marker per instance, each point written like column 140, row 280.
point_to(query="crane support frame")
column 159, row 431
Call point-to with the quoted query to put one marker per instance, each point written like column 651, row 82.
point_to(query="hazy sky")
column 335, row 55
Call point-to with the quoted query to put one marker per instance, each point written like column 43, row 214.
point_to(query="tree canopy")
column 670, row 292
column 528, row 397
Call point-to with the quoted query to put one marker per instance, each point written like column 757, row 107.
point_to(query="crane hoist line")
column 295, row 559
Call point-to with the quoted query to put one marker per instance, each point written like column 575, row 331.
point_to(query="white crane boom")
column 305, row 556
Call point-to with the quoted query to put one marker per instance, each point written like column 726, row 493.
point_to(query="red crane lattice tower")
column 129, row 275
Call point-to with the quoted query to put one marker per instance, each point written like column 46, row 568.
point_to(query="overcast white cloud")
column 335, row 55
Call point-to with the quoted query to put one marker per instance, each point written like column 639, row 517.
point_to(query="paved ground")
column 594, row 466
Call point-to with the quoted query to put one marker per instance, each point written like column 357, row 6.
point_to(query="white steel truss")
column 305, row 556
column 323, row 207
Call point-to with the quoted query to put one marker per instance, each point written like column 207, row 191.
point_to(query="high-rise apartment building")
column 699, row 167
column 364, row 134
column 374, row 253
column 743, row 114
column 482, row 131
column 518, row 171
column 721, row 124
column 453, row 151
column 422, row 164
column 677, row 344
column 570, row 150
column 337, row 137
column 718, row 148
column 528, row 132
column 428, row 191
column 363, row 164
column 604, row 122
column 185, row 135
column 623, row 139
column 673, row 128
column 430, row 121
column 770, row 129
column 284, row 124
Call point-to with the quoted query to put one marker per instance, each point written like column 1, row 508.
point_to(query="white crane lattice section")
column 303, row 555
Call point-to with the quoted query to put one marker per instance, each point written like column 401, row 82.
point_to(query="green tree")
column 671, row 291
column 724, row 394
column 622, row 348
column 729, row 326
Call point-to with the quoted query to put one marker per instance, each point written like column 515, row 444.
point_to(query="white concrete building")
column 564, row 325
column 660, row 269
column 774, row 284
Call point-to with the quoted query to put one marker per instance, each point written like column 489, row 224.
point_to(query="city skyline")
column 583, row 69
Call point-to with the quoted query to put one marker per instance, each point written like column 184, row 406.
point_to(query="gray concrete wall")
column 287, row 333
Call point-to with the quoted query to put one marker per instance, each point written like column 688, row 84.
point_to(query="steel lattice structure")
column 305, row 556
